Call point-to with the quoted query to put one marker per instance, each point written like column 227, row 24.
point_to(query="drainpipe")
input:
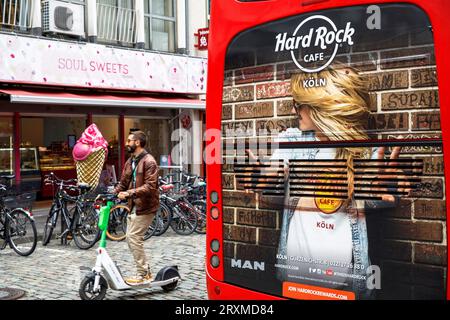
column 91, row 8
column 187, row 26
column 36, row 18
column 196, row 141
column 140, row 25
column 16, row 146
column 121, row 145
column 181, row 25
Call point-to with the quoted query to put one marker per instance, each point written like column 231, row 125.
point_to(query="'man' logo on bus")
column 316, row 39
column 247, row 264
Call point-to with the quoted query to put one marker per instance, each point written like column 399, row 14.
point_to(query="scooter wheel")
column 170, row 287
column 86, row 290
column 170, row 273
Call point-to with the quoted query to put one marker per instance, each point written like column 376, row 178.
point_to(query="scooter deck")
column 153, row 283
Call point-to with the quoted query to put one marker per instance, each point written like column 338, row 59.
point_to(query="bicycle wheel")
column 117, row 228
column 2, row 231
column 183, row 222
column 85, row 227
column 161, row 224
column 151, row 230
column 50, row 225
column 200, row 206
column 21, row 232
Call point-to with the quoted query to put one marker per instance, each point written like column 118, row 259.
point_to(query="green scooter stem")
column 103, row 221
column 103, row 240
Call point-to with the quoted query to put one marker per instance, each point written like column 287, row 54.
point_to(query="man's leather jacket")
column 144, row 193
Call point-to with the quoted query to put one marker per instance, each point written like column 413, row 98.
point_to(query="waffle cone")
column 90, row 169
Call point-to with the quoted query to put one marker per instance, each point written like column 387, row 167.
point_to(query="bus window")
column 333, row 170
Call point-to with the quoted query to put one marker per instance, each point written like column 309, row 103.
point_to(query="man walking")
column 139, row 184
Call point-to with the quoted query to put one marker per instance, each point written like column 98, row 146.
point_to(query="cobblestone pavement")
column 53, row 272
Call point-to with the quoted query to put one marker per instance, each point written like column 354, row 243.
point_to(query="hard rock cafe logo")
column 316, row 40
column 328, row 205
column 324, row 201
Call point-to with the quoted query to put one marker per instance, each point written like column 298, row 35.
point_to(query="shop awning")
column 100, row 99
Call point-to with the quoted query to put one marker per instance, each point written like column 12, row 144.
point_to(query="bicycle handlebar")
column 62, row 185
column 167, row 182
column 66, row 196
column 52, row 178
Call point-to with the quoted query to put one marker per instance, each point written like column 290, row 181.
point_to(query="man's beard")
column 131, row 149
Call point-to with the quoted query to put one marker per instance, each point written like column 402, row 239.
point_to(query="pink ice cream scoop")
column 91, row 140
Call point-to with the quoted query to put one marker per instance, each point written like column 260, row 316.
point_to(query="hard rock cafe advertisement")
column 333, row 174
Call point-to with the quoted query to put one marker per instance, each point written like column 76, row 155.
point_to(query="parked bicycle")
column 198, row 207
column 161, row 222
column 192, row 192
column 17, row 227
column 184, row 219
column 182, row 200
column 196, row 185
column 80, row 221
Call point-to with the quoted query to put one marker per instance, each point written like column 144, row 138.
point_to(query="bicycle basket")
column 23, row 200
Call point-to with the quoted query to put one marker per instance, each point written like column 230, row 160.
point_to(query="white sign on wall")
column 41, row 61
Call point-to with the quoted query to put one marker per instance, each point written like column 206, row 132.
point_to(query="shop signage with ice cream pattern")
column 41, row 61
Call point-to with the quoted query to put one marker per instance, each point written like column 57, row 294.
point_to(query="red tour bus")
column 326, row 175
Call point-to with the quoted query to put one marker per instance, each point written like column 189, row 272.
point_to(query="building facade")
column 121, row 64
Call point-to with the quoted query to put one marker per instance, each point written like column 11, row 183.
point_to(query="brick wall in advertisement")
column 408, row 242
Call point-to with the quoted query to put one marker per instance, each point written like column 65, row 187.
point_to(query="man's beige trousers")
column 136, row 228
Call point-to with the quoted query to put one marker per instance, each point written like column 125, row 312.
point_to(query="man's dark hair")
column 141, row 136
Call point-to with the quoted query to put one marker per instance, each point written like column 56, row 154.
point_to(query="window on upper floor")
column 15, row 15
column 116, row 22
column 160, row 22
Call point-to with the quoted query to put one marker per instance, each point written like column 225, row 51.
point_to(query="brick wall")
column 409, row 242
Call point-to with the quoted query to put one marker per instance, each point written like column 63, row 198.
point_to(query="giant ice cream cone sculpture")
column 89, row 154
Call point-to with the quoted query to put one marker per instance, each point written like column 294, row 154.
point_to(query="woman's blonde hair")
column 339, row 108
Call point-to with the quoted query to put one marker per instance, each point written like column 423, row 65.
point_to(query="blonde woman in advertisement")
column 319, row 247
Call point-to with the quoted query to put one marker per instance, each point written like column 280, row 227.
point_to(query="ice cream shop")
column 51, row 91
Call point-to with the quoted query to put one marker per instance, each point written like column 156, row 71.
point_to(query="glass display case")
column 29, row 160
column 6, row 161
column 57, row 157
column 29, row 167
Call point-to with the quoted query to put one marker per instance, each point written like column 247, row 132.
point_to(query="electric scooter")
column 94, row 285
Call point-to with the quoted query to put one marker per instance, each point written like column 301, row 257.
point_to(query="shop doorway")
column 6, row 145
column 158, row 136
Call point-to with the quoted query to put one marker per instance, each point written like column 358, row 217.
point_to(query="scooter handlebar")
column 107, row 197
